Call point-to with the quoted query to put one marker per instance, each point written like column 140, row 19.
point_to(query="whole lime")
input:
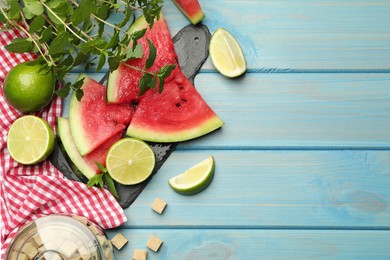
column 28, row 88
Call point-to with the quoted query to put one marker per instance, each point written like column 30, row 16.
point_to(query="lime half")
column 195, row 179
column 226, row 54
column 30, row 140
column 130, row 161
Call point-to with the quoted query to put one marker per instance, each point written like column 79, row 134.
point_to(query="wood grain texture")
column 273, row 189
column 216, row 244
column 299, row 35
column 294, row 35
column 303, row 160
column 295, row 110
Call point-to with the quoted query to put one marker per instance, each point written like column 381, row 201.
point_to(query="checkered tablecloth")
column 28, row 192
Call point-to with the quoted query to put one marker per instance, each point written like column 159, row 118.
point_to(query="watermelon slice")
column 191, row 9
column 92, row 121
column 123, row 83
column 179, row 113
column 86, row 165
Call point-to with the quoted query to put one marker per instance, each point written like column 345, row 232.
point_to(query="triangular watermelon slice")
column 84, row 164
column 123, row 83
column 179, row 113
column 92, row 121
column 191, row 9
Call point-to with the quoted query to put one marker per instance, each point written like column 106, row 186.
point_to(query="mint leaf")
column 133, row 54
column 138, row 34
column 102, row 61
column 20, row 45
column 46, row 35
column 37, row 24
column 32, row 8
column 60, row 43
column 113, row 62
column 103, row 176
column 144, row 83
column 14, row 10
column 63, row 92
column 96, row 180
column 111, row 185
column 152, row 55
column 166, row 71
column 126, row 19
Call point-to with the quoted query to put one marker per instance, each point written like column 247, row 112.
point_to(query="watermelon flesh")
column 191, row 9
column 179, row 113
column 84, row 164
column 123, row 83
column 92, row 121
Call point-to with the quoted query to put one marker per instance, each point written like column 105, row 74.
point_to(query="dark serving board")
column 191, row 45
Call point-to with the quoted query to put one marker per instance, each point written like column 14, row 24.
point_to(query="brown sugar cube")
column 30, row 250
column 119, row 241
column 154, row 243
column 159, row 205
column 140, row 254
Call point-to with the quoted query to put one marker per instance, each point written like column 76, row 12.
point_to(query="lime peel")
column 195, row 179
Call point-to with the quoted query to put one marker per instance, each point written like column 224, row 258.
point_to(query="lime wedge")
column 130, row 161
column 30, row 140
column 226, row 54
column 195, row 179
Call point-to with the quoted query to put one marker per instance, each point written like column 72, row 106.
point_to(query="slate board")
column 191, row 45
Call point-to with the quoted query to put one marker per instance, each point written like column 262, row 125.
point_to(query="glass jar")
column 58, row 237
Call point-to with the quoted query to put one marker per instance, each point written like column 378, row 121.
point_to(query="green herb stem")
column 59, row 19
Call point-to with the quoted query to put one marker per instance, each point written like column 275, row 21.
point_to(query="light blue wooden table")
column 303, row 160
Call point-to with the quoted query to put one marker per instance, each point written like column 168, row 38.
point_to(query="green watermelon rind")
column 160, row 136
column 139, row 24
column 78, row 133
column 68, row 144
column 196, row 18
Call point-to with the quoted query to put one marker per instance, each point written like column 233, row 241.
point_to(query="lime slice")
column 130, row 161
column 195, row 179
column 30, row 140
column 226, row 54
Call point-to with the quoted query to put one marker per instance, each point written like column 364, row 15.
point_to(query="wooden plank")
column 298, row 110
column 268, row 189
column 313, row 110
column 218, row 244
column 299, row 35
column 290, row 35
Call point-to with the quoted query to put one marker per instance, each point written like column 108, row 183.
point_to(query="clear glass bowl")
column 58, row 237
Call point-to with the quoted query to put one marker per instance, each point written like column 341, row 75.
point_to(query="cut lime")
column 195, row 179
column 30, row 140
column 130, row 161
column 226, row 54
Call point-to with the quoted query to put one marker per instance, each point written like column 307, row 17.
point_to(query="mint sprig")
column 68, row 33
column 101, row 178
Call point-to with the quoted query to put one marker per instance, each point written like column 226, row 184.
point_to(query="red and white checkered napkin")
column 28, row 192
